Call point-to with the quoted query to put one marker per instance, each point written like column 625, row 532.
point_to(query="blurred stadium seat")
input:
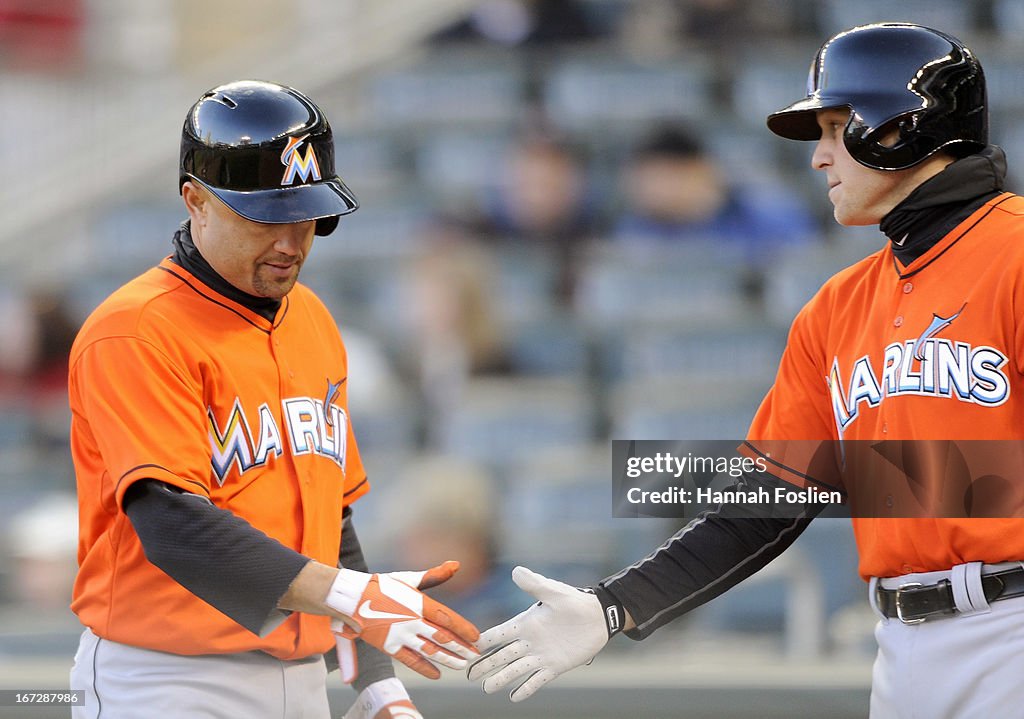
column 135, row 234
column 743, row 353
column 380, row 230
column 498, row 420
column 15, row 426
column 461, row 85
column 955, row 16
column 587, row 91
column 552, row 344
column 370, row 163
column 460, row 164
column 556, row 515
column 800, row 595
column 684, row 407
column 769, row 79
column 525, row 284
column 799, row 273
column 699, row 282
column 1002, row 62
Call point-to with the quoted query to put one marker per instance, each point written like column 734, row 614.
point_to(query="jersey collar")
column 951, row 238
column 202, row 289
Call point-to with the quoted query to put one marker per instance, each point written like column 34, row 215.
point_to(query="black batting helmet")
column 267, row 152
column 924, row 83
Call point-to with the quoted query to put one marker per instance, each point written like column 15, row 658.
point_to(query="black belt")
column 913, row 602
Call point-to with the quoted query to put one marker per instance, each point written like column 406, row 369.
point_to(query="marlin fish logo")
column 298, row 165
column 333, row 389
column 938, row 324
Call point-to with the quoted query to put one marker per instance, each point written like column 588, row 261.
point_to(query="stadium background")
column 492, row 358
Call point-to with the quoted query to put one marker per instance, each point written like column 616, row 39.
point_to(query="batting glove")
column 388, row 611
column 566, row 628
column 386, row 699
column 345, row 647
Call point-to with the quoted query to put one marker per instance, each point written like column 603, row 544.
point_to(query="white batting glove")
column 386, row 699
column 394, row 616
column 563, row 630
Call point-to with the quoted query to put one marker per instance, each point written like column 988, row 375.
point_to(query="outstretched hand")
column 564, row 629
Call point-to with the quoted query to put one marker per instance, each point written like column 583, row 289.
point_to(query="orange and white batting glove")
column 386, row 699
column 388, row 611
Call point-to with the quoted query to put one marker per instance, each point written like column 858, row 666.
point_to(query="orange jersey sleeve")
column 140, row 415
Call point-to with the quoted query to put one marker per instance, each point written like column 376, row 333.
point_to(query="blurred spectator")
column 455, row 330
column 368, row 361
column 447, row 510
column 677, row 192
column 43, row 547
column 658, row 27
column 543, row 203
column 18, row 339
column 715, row 21
column 720, row 25
column 651, row 29
column 36, row 332
column 56, row 333
column 42, row 34
column 525, row 22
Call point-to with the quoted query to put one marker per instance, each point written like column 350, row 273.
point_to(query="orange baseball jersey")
column 170, row 380
column 931, row 351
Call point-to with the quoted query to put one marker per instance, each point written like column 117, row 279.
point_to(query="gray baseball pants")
column 122, row 681
column 967, row 666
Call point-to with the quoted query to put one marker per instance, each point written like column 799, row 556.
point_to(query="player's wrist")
column 346, row 590
column 384, row 692
column 612, row 610
column 384, row 698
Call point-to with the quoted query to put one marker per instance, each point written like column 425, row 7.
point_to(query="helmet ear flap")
column 326, row 225
column 898, row 144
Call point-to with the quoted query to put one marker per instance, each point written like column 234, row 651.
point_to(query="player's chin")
column 849, row 217
column 275, row 286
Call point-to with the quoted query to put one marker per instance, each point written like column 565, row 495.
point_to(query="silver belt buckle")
column 899, row 603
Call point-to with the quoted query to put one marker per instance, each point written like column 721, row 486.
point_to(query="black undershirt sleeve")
column 711, row 554
column 374, row 664
column 231, row 565
column 214, row 554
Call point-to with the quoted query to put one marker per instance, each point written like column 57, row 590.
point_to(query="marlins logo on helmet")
column 298, row 165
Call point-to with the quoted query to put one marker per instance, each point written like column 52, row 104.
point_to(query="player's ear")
column 197, row 201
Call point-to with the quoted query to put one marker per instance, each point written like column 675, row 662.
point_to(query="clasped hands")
column 564, row 629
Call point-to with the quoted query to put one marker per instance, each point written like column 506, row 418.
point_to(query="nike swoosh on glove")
column 345, row 647
column 386, row 699
column 564, row 629
column 394, row 616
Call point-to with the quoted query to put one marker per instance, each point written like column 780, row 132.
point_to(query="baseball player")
column 215, row 459
column 899, row 115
